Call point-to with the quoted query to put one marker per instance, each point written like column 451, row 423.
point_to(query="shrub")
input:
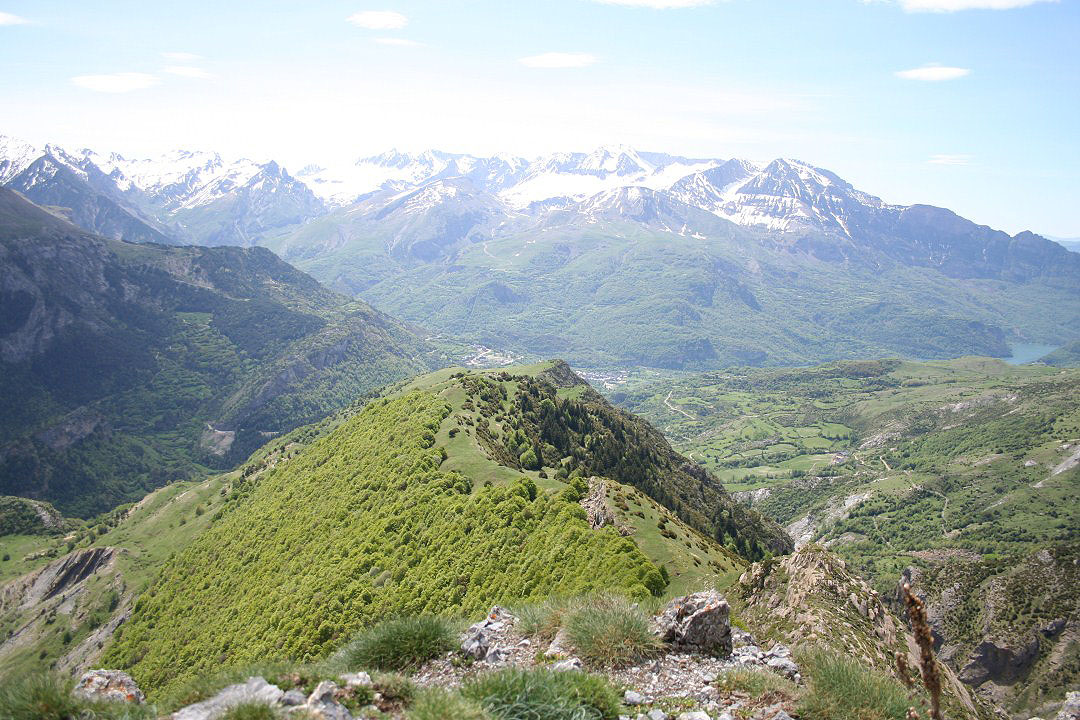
column 250, row 711
column 439, row 704
column 400, row 644
column 515, row 694
column 840, row 688
column 610, row 630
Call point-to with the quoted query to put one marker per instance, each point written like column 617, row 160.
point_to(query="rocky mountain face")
column 181, row 198
column 1012, row 630
column 126, row 366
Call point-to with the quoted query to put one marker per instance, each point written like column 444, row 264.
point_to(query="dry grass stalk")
column 925, row 640
column 903, row 670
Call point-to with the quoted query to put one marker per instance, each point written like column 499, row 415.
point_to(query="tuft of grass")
column 610, row 630
column 517, row 694
column 250, row 711
column 400, row 644
column 43, row 696
column 543, row 619
column 439, row 704
column 394, row 687
column 756, row 682
column 840, row 688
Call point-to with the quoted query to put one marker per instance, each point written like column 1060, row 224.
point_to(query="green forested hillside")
column 123, row 367
column 448, row 495
column 691, row 292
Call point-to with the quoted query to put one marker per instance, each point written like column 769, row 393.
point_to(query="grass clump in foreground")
column 45, row 697
column 840, row 688
column 399, row 644
column 610, row 630
column 439, row 704
column 515, row 694
column 757, row 682
column 543, row 619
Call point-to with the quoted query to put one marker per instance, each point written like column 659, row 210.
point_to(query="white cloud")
column 949, row 159
column 558, row 60
column 400, row 42
column 947, row 6
column 9, row 19
column 933, row 73
column 378, row 20
column 658, row 4
column 181, row 57
column 186, row 71
column 116, row 82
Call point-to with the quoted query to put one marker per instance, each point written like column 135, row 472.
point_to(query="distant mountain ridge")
column 125, row 366
column 551, row 256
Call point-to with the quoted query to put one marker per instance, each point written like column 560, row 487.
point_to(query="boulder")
column 632, row 697
column 256, row 689
column 109, row 685
column 697, row 622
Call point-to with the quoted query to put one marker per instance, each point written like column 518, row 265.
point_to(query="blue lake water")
column 1028, row 352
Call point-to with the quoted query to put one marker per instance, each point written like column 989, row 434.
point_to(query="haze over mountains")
column 774, row 263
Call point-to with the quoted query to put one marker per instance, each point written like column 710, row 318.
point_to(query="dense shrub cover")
column 359, row 527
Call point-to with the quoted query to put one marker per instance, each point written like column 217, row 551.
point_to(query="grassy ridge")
column 362, row 525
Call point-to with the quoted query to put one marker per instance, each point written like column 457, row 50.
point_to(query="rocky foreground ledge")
column 698, row 644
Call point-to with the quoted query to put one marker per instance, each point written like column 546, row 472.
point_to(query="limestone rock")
column 568, row 664
column 358, row 679
column 1070, row 709
column 256, row 689
column 322, row 704
column 109, row 685
column 631, row 697
column 560, row 645
column 697, row 622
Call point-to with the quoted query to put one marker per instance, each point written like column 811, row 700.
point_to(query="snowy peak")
column 15, row 156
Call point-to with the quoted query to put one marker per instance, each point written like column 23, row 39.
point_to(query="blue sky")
column 982, row 118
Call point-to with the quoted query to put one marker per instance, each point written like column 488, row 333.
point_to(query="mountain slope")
column 959, row 476
column 424, row 501
column 127, row 366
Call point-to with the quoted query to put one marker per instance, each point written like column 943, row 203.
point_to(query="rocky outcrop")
column 810, row 597
column 111, row 685
column 1008, row 630
column 595, row 504
column 698, row 623
column 254, row 690
column 478, row 642
column 58, row 577
column 1004, row 665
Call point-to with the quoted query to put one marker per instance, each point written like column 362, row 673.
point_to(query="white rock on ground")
column 256, row 689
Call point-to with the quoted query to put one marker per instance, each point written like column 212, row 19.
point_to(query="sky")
column 972, row 105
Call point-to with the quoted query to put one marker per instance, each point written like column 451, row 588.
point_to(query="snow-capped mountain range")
column 172, row 193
